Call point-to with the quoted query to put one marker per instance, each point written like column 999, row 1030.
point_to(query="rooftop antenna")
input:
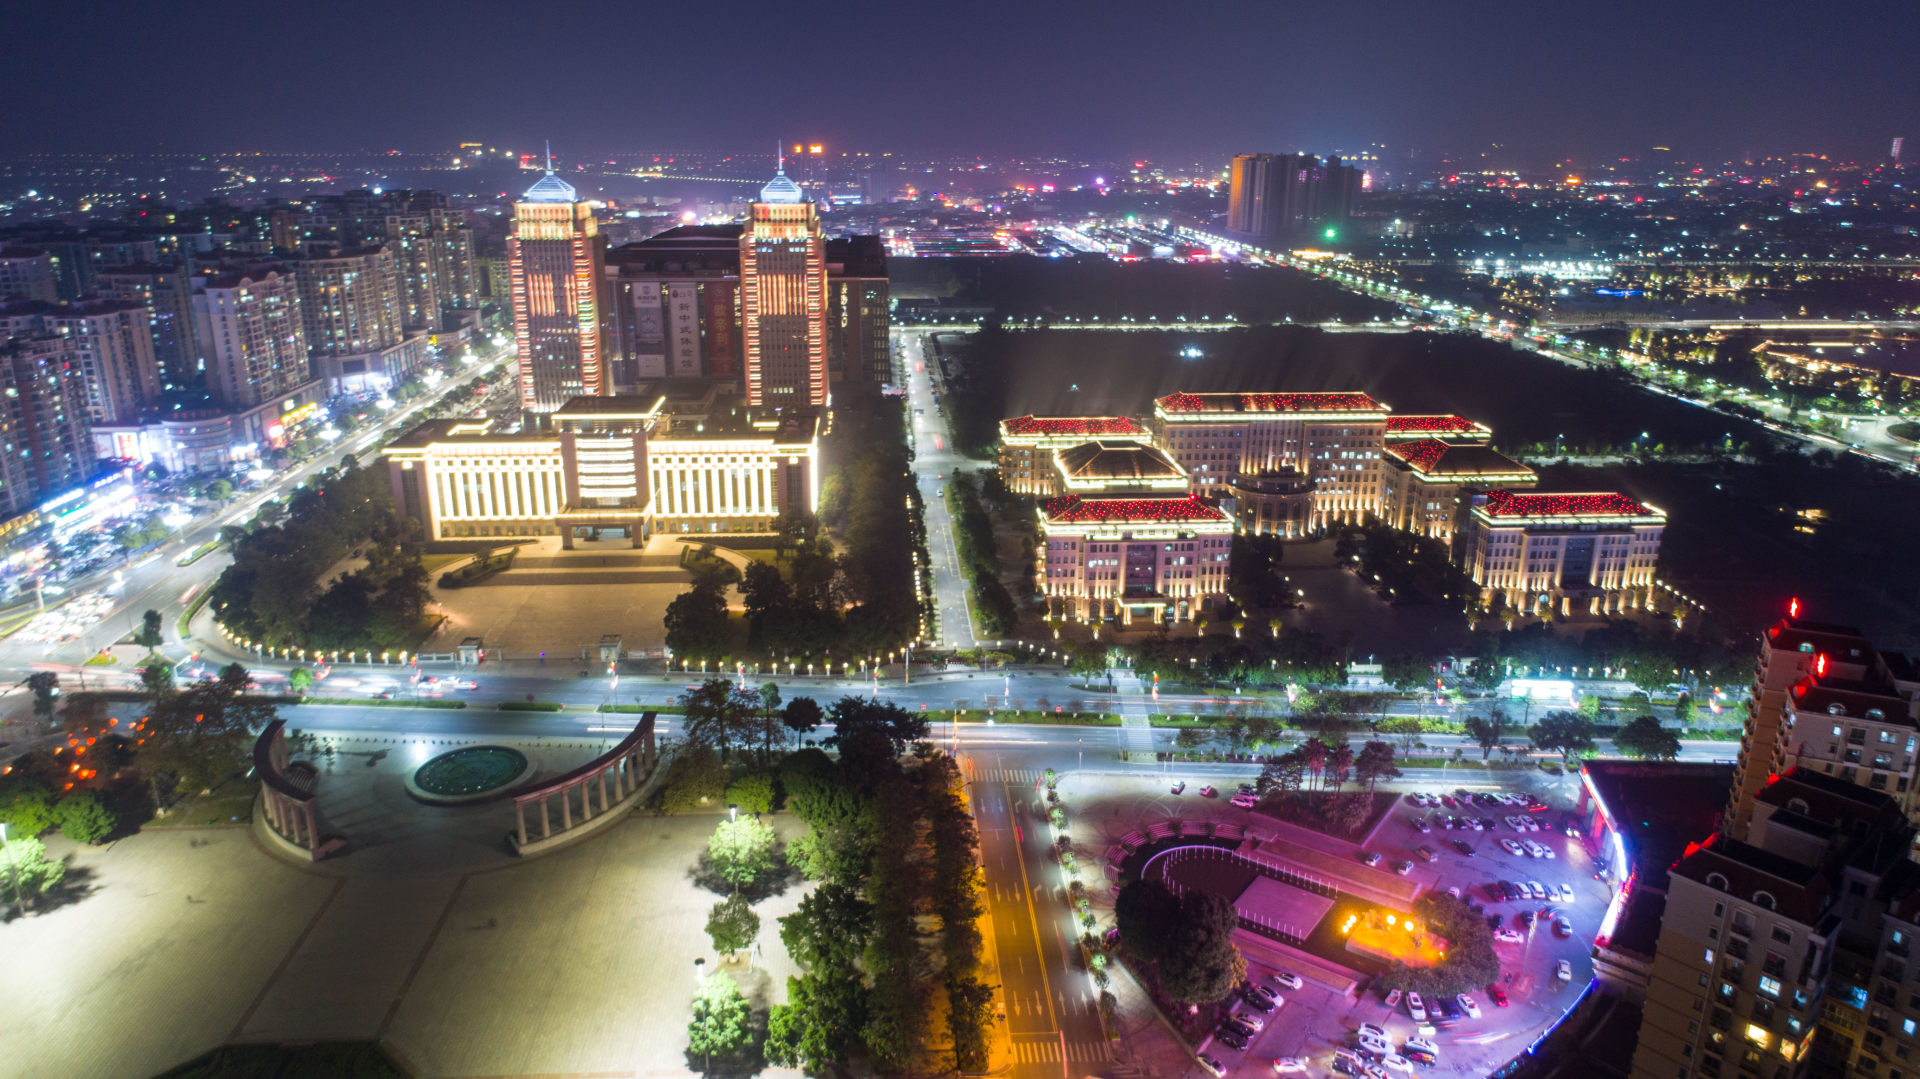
column 549, row 156
column 780, row 151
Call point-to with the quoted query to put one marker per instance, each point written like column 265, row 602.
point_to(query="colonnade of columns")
column 289, row 808
column 614, row 777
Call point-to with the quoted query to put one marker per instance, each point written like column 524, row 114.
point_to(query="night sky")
column 1172, row 81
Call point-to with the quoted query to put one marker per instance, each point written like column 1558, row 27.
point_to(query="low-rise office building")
column 1427, row 484
column 678, row 459
column 1594, row 552
column 1028, row 443
column 1332, row 438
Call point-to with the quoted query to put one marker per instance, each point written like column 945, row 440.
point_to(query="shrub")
column 84, row 818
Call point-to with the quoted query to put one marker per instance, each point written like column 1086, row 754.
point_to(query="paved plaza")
column 561, row 602
column 428, row 936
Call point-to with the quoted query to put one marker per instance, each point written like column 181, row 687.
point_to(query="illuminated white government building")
column 673, row 458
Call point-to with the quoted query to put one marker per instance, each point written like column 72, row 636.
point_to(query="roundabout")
column 469, row 774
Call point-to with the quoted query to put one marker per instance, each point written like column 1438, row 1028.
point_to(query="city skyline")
column 1070, row 79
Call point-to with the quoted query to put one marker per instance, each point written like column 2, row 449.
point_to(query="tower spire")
column 549, row 156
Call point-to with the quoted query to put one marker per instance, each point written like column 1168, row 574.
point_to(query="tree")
column 802, row 715
column 732, row 925
column 1485, row 673
column 1145, row 912
column 1684, row 709
column 741, row 850
column 1253, row 577
column 220, row 490
column 867, row 732
column 84, row 818
column 45, row 686
column 752, row 793
column 1087, row 659
column 769, row 716
column 149, row 636
column 1566, row 733
column 969, row 1016
column 1588, row 705
column 25, row 870
column 719, row 1023
column 1339, row 763
column 1405, row 671
column 696, row 623
column 1199, row 963
column 819, row 1024
column 300, row 679
column 1374, row 763
column 1407, row 728
column 1486, row 732
column 1646, row 738
column 26, row 806
column 720, row 716
column 829, row 930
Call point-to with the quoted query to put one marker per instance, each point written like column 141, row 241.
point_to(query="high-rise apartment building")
column 1825, row 700
column 1280, row 197
column 783, row 283
column 555, row 258
column 859, row 310
column 251, row 333
column 112, row 345
column 46, row 446
column 168, row 296
column 433, row 257
column 1791, row 951
column 27, row 273
column 348, row 302
column 1333, row 439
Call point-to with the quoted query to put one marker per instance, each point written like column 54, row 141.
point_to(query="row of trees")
column 1572, row 734
column 1406, row 565
column 892, row 843
column 272, row 592
column 993, row 605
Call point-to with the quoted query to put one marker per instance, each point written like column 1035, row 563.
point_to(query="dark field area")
column 1022, row 287
column 1525, row 398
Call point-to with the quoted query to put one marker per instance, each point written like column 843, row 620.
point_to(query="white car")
column 1368, row 1030
column 1290, row 1066
column 1563, row 892
column 1536, row 889
column 1509, row 846
column 1468, row 1005
column 1396, row 1064
column 1509, row 936
column 1287, row 979
column 1563, row 970
column 1416, row 1007
column 1246, row 800
column 1375, row 1047
column 1214, row 1067
column 1423, row 1045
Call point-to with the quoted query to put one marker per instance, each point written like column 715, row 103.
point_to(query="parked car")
column 1403, row 867
column 1562, row 927
column 1180, row 787
column 1287, row 979
column 1524, row 920
column 1536, row 889
column 1421, row 1045
column 1208, row 791
column 1230, row 1038
column 1509, row 846
column 1497, row 995
column 1421, row 824
column 1396, row 1064
column 1393, row 998
column 1563, row 970
column 1463, row 847
column 1242, row 1025
column 1416, row 1008
column 1509, row 936
column 1214, row 1067
column 1257, row 1002
column 1468, row 1005
column 1425, row 852
column 1369, row 1030
column 1290, row 1066
column 1368, row 857
column 1246, row 801
column 1563, row 892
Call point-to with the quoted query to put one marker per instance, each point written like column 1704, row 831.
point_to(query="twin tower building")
column 625, row 445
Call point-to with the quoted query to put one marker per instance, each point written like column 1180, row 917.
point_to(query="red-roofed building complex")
column 1028, row 443
column 1332, row 439
column 1423, row 482
column 1537, row 552
column 1129, row 541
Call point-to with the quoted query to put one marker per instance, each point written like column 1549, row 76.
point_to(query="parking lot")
column 1550, row 876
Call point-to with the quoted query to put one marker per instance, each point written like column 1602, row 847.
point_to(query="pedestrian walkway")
column 1026, row 777
column 1136, row 736
column 1045, row 1048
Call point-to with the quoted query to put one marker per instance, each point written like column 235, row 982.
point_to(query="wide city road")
column 934, row 461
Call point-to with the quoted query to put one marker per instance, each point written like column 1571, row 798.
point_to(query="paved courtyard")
column 561, row 602
column 461, row 959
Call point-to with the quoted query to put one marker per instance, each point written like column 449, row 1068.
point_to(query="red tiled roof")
column 1438, row 424
column 1610, row 504
column 1422, row 455
column 1073, row 425
column 1268, row 402
column 1072, row 508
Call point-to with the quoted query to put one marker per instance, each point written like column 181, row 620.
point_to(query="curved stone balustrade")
column 618, row 775
column 286, row 796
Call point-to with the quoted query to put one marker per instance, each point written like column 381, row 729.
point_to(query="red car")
column 1498, row 994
